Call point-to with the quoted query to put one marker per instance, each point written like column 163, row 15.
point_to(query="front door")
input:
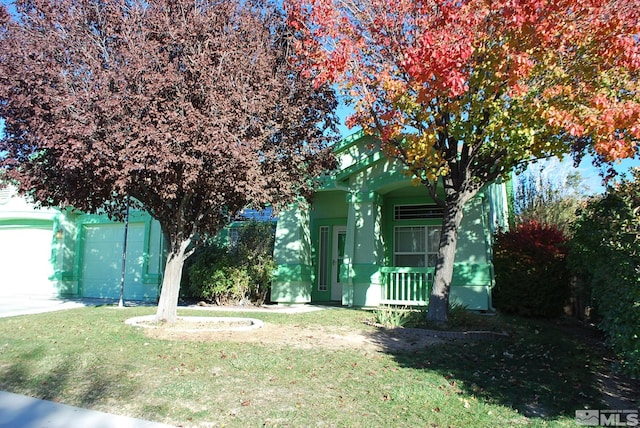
column 339, row 239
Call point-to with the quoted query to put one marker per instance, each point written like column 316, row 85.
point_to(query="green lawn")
column 88, row 357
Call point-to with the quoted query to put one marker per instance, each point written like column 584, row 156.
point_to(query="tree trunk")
column 438, row 308
column 168, row 304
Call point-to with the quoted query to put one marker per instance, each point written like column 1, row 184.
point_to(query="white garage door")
column 26, row 264
column 102, row 261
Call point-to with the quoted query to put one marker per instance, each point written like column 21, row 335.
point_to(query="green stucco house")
column 369, row 237
column 54, row 253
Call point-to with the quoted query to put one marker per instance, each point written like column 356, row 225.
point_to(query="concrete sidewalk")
column 19, row 411
column 16, row 305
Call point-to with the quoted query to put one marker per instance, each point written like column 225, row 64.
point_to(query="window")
column 416, row 246
column 323, row 257
column 5, row 194
column 417, row 212
column 233, row 237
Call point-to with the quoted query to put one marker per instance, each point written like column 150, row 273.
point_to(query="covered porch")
column 369, row 237
column 411, row 286
column 408, row 286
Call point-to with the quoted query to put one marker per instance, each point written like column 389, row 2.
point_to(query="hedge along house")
column 369, row 237
column 54, row 253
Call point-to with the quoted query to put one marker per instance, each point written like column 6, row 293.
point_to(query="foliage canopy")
column 548, row 197
column 531, row 271
column 461, row 92
column 191, row 108
column 605, row 257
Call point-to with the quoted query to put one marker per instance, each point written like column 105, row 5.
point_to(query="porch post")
column 292, row 254
column 364, row 249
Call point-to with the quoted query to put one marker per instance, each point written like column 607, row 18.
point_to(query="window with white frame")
column 5, row 194
column 233, row 236
column 323, row 259
column 417, row 211
column 416, row 246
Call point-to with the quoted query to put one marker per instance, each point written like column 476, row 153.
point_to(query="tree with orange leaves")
column 461, row 92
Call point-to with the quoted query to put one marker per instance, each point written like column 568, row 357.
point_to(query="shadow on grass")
column 539, row 370
column 64, row 381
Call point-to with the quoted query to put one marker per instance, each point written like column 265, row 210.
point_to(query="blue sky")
column 9, row 4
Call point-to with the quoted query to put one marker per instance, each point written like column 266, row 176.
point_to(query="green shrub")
column 605, row 257
column 459, row 315
column 224, row 285
column 531, row 273
column 254, row 252
column 222, row 274
column 393, row 316
column 211, row 277
column 403, row 316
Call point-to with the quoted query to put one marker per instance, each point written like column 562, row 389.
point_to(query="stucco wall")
column 48, row 247
column 292, row 255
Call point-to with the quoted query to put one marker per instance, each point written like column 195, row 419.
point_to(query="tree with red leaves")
column 189, row 107
column 461, row 92
column 532, row 278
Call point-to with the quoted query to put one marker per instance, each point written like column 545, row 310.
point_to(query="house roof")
column 357, row 153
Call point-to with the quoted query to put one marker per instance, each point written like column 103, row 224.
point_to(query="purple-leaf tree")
column 189, row 107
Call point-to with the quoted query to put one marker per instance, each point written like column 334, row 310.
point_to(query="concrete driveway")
column 19, row 411
column 15, row 305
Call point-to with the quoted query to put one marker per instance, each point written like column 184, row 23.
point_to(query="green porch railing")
column 406, row 285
